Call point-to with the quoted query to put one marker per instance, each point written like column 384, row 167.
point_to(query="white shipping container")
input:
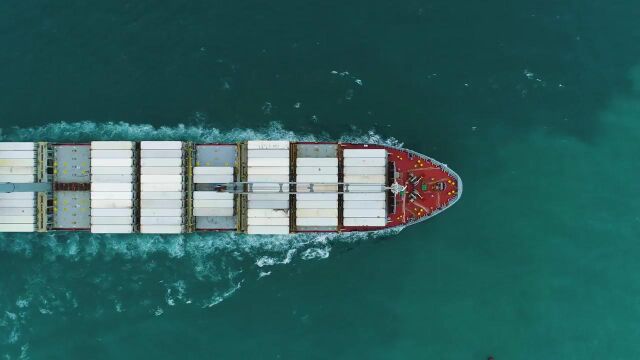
column 111, row 195
column 213, row 170
column 365, row 179
column 111, row 154
column 111, row 204
column 267, row 162
column 365, row 213
column 364, row 196
column 18, row 195
column 161, row 187
column 16, row 203
column 267, row 221
column 268, row 204
column 317, row 204
column 316, row 197
column 363, row 204
column 111, row 187
column 268, row 154
column 111, row 220
column 265, row 170
column 160, row 162
column 17, row 211
column 319, row 170
column 161, row 179
column 365, row 170
column 112, row 145
column 317, row 221
column 160, row 212
column 111, row 229
column 161, row 229
column 213, row 212
column 17, row 227
column 17, row 219
column 161, row 204
column 268, row 187
column 23, row 146
column 17, row 170
column 159, row 195
column 161, row 170
column 160, row 220
column 373, row 222
column 17, row 178
column 174, row 154
column 317, row 178
column 267, row 230
column 333, row 162
column 112, row 178
column 16, row 154
column 111, row 162
column 267, row 145
column 276, row 196
column 111, row 212
column 111, row 170
column 271, row 213
column 18, row 162
column 198, row 203
column 212, row 195
column 212, row 179
column 349, row 162
column 364, row 153
column 317, row 213
column 161, row 145
column 268, row 178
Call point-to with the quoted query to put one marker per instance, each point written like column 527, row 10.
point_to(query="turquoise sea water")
column 535, row 104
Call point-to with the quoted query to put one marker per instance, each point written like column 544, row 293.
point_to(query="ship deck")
column 430, row 186
column 255, row 187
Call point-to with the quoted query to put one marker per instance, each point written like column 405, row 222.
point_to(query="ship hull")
column 253, row 187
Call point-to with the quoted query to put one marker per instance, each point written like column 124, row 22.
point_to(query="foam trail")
column 145, row 274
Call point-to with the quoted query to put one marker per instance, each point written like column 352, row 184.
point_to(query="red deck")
column 433, row 188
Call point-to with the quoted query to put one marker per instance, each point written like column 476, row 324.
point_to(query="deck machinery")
column 255, row 187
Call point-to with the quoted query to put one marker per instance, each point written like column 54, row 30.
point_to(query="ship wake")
column 149, row 275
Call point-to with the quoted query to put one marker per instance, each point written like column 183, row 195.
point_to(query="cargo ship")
column 252, row 187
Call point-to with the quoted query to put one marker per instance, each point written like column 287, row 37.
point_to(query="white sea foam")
column 315, row 253
column 120, row 270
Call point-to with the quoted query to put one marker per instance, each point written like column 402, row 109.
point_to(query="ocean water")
column 536, row 104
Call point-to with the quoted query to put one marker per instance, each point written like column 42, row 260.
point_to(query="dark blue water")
column 536, row 104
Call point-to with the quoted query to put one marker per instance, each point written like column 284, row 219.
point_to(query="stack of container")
column 318, row 210
column 268, row 165
column 17, row 165
column 365, row 204
column 112, row 186
column 212, row 203
column 162, row 187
